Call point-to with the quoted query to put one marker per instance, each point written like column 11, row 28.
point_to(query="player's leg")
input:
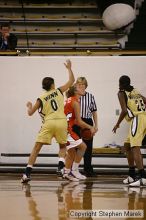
column 35, row 151
column 130, row 158
column 61, row 161
column 139, row 161
column 44, row 137
column 78, row 157
column 137, row 157
column 139, row 164
column 129, row 154
column 70, row 155
column 73, row 142
column 138, row 129
column 60, row 134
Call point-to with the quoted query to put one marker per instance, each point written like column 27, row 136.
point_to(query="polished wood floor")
column 49, row 198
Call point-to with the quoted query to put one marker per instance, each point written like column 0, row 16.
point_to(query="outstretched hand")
column 93, row 131
column 68, row 64
column 115, row 128
column 29, row 105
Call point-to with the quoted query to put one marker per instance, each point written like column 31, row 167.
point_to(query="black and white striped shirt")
column 88, row 105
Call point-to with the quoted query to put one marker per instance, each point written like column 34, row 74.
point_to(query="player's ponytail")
column 71, row 92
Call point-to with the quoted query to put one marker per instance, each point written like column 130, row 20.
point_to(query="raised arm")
column 71, row 79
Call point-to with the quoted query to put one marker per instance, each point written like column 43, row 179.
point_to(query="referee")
column 89, row 115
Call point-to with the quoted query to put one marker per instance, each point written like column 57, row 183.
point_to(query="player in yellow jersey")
column 133, row 104
column 54, row 123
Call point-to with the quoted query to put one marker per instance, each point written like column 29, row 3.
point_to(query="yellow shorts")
column 127, row 140
column 137, row 130
column 56, row 128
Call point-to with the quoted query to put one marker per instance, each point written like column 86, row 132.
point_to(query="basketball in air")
column 117, row 16
column 86, row 134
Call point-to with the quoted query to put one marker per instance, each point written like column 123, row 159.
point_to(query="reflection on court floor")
column 47, row 198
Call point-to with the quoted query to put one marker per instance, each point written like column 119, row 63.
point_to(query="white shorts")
column 71, row 143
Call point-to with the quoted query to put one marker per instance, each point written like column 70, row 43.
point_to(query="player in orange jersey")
column 75, row 146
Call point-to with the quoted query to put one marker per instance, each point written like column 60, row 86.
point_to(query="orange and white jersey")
column 70, row 114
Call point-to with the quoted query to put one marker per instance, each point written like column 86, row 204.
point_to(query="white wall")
column 20, row 81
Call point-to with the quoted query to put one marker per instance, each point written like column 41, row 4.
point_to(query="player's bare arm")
column 31, row 109
column 95, row 118
column 80, row 122
column 123, row 113
column 71, row 77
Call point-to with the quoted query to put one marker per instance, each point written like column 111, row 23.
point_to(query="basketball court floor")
column 48, row 198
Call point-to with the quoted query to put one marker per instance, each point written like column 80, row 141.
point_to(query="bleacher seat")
column 72, row 24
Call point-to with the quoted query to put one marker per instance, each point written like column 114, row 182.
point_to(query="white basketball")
column 118, row 15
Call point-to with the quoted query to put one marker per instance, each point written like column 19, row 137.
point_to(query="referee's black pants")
column 88, row 153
